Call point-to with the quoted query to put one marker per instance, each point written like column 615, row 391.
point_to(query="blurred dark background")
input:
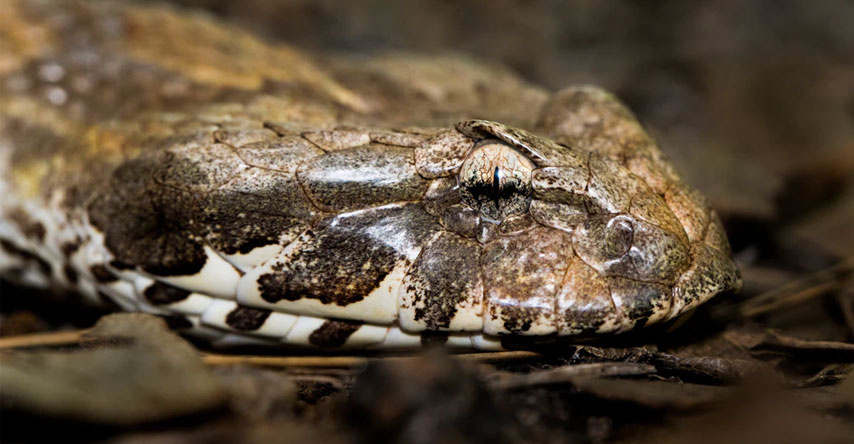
column 754, row 100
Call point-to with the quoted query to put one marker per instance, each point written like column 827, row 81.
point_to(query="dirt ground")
column 754, row 101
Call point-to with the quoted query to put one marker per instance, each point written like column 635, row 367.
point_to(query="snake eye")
column 495, row 179
column 619, row 235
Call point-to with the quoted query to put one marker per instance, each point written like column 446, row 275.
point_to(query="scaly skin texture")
column 161, row 161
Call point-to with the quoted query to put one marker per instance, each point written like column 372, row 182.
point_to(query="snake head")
column 619, row 226
column 589, row 230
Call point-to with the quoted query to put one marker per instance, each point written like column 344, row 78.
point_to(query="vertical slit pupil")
column 496, row 184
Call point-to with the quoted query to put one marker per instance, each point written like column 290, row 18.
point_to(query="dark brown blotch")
column 108, row 302
column 14, row 250
column 641, row 303
column 333, row 333
column 588, row 321
column 119, row 265
column 148, row 224
column 433, row 338
column 518, row 319
column 445, row 275
column 346, row 257
column 255, row 210
column 177, row 322
column 70, row 274
column 68, row 248
column 103, row 274
column 247, row 318
column 30, row 227
column 159, row 293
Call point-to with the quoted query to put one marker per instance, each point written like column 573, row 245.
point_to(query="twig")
column 286, row 361
column 799, row 291
column 492, row 357
column 347, row 361
column 778, row 340
column 570, row 373
column 53, row 338
column 75, row 336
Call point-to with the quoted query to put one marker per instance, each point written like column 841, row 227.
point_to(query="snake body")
column 160, row 161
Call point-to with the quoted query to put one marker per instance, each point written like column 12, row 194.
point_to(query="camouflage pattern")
column 160, row 161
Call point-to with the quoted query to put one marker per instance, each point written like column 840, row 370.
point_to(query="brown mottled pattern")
column 565, row 184
column 338, row 139
column 650, row 207
column 259, row 195
column 640, row 303
column 610, row 187
column 344, row 258
column 362, row 177
column 170, row 132
column 584, row 303
column 442, row 154
column 460, row 219
column 522, row 274
column 516, row 224
column 146, row 223
column 396, row 138
column 591, row 119
column 543, row 152
column 558, row 215
column 689, row 207
column 443, row 279
column 441, row 194
column 622, row 246
column 711, row 273
column 716, row 236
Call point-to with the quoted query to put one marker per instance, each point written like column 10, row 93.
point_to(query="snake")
column 159, row 160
